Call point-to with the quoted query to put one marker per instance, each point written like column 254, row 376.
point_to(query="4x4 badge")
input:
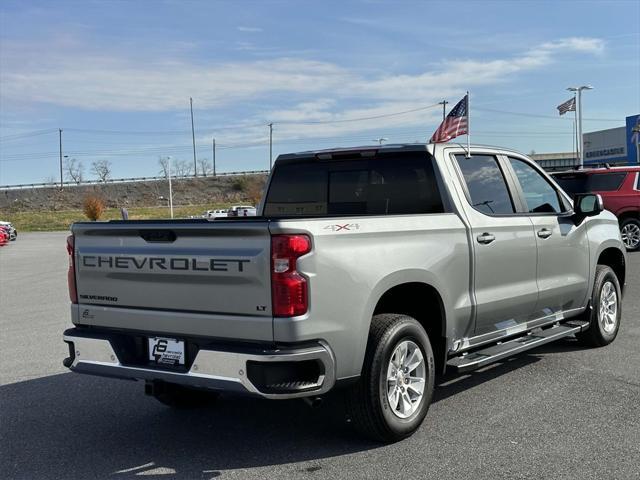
column 345, row 226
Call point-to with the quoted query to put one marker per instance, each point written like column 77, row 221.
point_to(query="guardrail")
column 22, row 186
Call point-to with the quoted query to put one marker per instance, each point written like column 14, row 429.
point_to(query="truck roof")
column 389, row 148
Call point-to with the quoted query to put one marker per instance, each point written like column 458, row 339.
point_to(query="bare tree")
column 164, row 166
column 181, row 168
column 74, row 170
column 204, row 166
column 102, row 169
column 51, row 179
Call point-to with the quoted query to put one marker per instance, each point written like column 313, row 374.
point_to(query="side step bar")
column 500, row 351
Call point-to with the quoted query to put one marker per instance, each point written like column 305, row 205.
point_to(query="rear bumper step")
column 281, row 373
column 495, row 353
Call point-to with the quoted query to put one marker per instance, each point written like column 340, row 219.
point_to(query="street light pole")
column 270, row 146
column 60, row 143
column 578, row 91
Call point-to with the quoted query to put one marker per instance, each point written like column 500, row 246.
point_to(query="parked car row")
column 619, row 188
column 8, row 233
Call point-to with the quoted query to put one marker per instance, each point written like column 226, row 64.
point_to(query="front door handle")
column 544, row 233
column 485, row 238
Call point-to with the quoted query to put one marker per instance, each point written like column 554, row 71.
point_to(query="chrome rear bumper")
column 210, row 369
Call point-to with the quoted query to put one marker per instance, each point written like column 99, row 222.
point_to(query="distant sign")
column 632, row 147
column 614, row 145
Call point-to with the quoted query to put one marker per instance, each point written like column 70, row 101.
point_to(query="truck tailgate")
column 216, row 271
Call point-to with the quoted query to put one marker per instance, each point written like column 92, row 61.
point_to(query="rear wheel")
column 604, row 316
column 395, row 389
column 179, row 396
column 630, row 233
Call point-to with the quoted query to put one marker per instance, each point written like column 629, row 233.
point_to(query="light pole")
column 270, row 146
column 60, row 140
column 578, row 91
column 380, row 140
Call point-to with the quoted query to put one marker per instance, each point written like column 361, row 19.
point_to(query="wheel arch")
column 414, row 294
column 628, row 213
column 615, row 258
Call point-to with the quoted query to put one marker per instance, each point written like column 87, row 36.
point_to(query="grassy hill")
column 43, row 209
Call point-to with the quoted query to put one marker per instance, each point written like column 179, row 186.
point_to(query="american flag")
column 455, row 124
column 568, row 106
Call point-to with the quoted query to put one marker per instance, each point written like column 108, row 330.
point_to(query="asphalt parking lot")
column 557, row 412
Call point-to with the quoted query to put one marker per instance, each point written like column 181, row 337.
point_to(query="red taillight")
column 288, row 288
column 71, row 273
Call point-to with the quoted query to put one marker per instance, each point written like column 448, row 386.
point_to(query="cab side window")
column 486, row 184
column 539, row 194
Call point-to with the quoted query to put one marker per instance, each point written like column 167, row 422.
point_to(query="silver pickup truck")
column 373, row 269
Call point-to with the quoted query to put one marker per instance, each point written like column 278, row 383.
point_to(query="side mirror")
column 587, row 205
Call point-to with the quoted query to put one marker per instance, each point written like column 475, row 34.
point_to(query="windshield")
column 390, row 183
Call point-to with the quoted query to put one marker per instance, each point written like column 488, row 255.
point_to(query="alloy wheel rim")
column 406, row 379
column 608, row 311
column 630, row 235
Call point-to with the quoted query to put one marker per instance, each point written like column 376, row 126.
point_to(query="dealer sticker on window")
column 166, row 351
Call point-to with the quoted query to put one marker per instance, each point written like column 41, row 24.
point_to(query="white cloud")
column 316, row 91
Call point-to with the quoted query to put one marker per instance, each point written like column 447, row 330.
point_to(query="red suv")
column 620, row 192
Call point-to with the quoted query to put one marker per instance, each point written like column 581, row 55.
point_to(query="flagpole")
column 575, row 128
column 468, row 128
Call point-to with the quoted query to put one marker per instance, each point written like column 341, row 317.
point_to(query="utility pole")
column 213, row 146
column 193, row 137
column 579, row 90
column 60, row 142
column 444, row 106
column 170, row 187
column 270, row 146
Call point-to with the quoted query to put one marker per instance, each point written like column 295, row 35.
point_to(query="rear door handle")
column 485, row 238
column 544, row 233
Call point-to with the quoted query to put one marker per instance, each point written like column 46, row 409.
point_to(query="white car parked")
column 242, row 211
column 215, row 213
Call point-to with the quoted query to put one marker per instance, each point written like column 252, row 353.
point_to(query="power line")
column 535, row 115
column 35, row 133
column 373, row 117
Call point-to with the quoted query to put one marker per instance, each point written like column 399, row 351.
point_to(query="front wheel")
column 604, row 316
column 394, row 392
column 630, row 233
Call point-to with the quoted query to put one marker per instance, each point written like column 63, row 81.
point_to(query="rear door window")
column 606, row 182
column 573, row 183
column 387, row 184
column 540, row 196
column 486, row 184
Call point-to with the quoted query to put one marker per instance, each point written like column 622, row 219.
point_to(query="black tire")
column 634, row 225
column 367, row 401
column 597, row 335
column 181, row 397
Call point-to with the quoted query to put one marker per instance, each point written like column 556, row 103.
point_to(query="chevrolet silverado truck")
column 368, row 269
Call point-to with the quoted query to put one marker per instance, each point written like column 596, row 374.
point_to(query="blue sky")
column 116, row 76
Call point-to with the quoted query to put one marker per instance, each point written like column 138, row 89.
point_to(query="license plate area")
column 166, row 351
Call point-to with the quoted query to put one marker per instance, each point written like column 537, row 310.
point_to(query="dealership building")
column 613, row 146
